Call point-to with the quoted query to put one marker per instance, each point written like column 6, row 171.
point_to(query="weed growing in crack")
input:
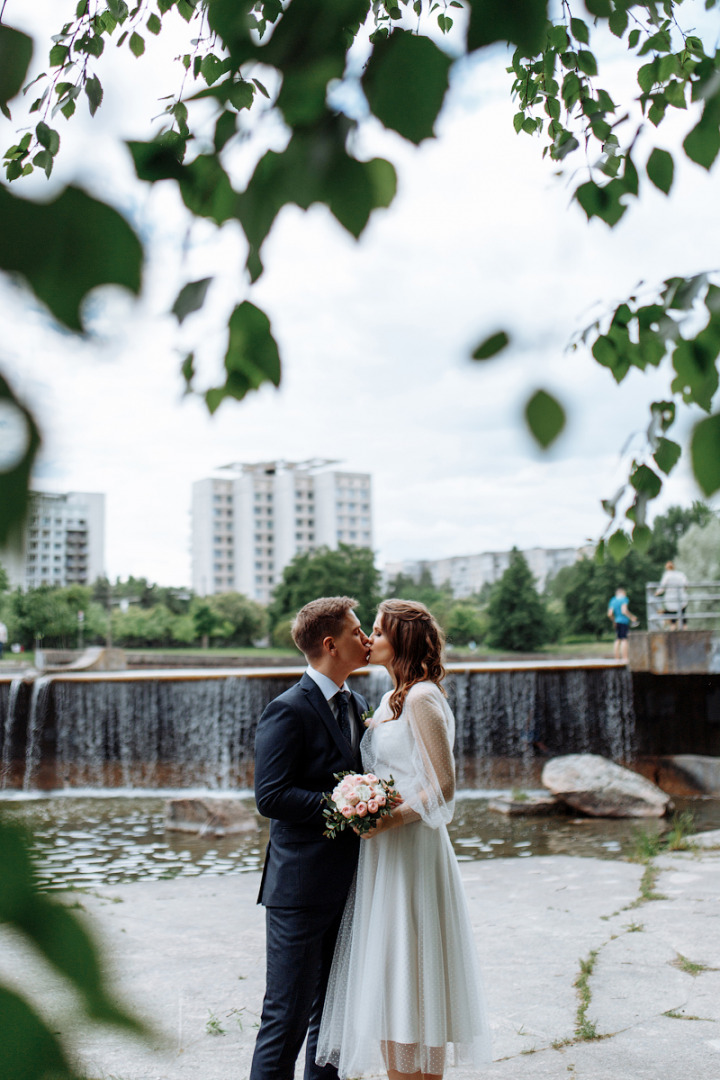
column 675, row 1015
column 585, row 1029
column 690, row 967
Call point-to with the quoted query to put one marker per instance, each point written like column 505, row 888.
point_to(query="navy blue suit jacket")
column 298, row 749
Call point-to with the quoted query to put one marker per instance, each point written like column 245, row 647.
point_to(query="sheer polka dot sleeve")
column 433, row 727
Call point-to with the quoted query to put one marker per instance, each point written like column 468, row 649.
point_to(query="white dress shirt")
column 329, row 689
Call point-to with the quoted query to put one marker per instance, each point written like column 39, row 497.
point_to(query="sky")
column 375, row 336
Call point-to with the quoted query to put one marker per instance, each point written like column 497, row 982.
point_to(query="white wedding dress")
column 404, row 990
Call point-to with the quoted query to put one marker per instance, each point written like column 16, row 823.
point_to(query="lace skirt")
column 404, row 990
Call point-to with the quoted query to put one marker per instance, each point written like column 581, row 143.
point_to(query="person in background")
column 673, row 589
column 3, row 638
column 621, row 616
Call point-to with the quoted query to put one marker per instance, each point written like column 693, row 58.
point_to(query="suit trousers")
column 300, row 947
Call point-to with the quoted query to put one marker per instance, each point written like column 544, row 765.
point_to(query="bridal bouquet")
column 359, row 801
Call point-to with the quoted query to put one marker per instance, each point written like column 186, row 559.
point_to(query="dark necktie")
column 343, row 714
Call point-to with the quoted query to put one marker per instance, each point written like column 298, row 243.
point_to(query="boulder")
column 600, row 788
column 692, row 773
column 209, row 817
column 531, row 806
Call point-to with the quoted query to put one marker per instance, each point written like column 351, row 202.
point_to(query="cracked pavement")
column 189, row 950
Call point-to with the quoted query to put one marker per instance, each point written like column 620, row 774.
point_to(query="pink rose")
column 371, row 777
column 373, row 806
column 347, row 811
column 380, row 800
column 361, row 809
column 353, row 799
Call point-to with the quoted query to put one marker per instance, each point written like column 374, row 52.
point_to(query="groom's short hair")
column 319, row 619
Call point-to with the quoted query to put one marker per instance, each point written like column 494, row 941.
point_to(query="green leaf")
column 225, row 129
column 618, row 545
column 19, row 444
column 58, row 55
column 660, row 169
column 647, row 76
column 355, row 188
column 601, row 8
column 491, row 346
column 606, row 353
column 579, row 31
column 15, row 55
column 602, row 202
column 644, row 480
column 187, row 371
column 190, row 298
column 154, row 24
column 94, row 92
column 55, row 247
column 586, row 62
column 667, row 454
column 137, row 44
column 48, row 137
column 252, row 357
column 405, row 83
column 30, row 1049
column 618, row 22
column 545, row 417
column 211, row 68
column 705, row 454
column 524, row 25
column 695, row 363
column 44, row 160
column 702, row 144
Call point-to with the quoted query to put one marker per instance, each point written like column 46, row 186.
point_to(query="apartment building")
column 250, row 519
column 63, row 542
column 468, row 573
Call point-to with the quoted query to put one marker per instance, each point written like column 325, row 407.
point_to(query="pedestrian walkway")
column 188, row 955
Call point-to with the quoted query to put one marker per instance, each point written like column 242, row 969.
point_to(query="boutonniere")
column 367, row 716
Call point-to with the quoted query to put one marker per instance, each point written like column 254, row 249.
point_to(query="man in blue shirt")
column 621, row 616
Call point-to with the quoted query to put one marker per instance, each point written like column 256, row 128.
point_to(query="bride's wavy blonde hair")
column 417, row 642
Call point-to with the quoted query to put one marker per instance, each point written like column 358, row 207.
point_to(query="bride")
column 404, row 990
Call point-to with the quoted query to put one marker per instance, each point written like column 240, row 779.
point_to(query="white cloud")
column 375, row 338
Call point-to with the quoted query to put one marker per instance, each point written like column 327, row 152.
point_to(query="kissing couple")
column 370, row 951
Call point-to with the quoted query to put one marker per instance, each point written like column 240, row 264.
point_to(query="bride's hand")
column 388, row 821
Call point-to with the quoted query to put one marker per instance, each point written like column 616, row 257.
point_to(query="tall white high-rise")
column 63, row 542
column 250, row 519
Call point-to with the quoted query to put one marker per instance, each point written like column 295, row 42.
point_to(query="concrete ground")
column 188, row 955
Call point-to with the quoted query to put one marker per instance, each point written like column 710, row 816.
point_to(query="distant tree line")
column 510, row 614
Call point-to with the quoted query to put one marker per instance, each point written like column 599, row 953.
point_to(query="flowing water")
column 188, row 730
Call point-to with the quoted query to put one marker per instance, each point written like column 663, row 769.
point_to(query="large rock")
column 601, row 788
column 693, row 774
column 209, row 817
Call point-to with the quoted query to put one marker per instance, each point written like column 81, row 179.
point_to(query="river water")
column 89, row 840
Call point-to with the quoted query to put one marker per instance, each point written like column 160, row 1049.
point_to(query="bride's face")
column 380, row 649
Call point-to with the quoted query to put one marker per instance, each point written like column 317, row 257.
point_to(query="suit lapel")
column 317, row 700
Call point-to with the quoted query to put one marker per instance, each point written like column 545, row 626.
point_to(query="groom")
column 304, row 736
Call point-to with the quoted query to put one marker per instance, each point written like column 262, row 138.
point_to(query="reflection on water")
column 85, row 842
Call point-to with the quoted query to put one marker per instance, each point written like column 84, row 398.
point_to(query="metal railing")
column 695, row 605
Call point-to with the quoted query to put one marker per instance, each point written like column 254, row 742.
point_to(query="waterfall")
column 9, row 729
column 38, row 713
column 148, row 732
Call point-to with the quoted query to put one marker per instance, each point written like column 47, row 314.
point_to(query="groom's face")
column 352, row 644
